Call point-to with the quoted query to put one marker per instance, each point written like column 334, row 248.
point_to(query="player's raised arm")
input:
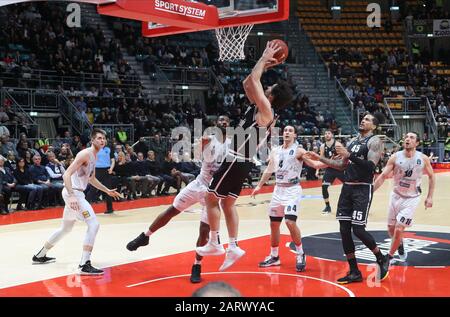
column 253, row 87
column 431, row 181
column 386, row 172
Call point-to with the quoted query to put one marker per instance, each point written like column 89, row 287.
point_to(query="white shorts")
column 285, row 201
column 192, row 194
column 86, row 212
column 401, row 210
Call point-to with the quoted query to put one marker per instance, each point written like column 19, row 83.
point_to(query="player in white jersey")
column 214, row 152
column 76, row 178
column 408, row 166
column 287, row 162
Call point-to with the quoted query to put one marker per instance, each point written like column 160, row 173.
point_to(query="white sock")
column 148, row 233
column 86, row 256
column 199, row 262
column 42, row 253
column 232, row 243
column 274, row 252
column 299, row 249
column 214, row 237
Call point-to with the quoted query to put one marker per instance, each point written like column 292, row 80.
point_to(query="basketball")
column 282, row 54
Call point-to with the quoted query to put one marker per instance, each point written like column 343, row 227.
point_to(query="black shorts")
column 228, row 179
column 330, row 175
column 354, row 203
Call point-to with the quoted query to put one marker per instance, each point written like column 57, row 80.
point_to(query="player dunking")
column 227, row 181
column 287, row 162
column 328, row 150
column 408, row 167
column 358, row 161
column 214, row 152
column 76, row 178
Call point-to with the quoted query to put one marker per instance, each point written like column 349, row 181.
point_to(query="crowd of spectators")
column 369, row 78
column 36, row 37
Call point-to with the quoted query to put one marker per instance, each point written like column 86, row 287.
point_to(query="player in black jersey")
column 328, row 150
column 227, row 182
column 358, row 161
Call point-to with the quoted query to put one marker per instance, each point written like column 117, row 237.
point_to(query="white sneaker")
column 232, row 256
column 210, row 249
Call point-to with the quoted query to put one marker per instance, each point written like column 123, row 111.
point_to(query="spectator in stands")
column 154, row 168
column 447, row 157
column 7, row 146
column 4, row 118
column 11, row 161
column 447, row 143
column 55, row 170
column 4, row 130
column 121, row 136
column 158, row 146
column 172, row 177
column 143, row 169
column 29, row 192
column 186, row 168
column 124, row 171
column 41, row 177
column 129, row 151
column 65, row 155
column 7, row 185
column 442, row 109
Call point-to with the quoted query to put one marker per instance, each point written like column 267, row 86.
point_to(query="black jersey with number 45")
column 354, row 173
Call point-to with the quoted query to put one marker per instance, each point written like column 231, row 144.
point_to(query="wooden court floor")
column 163, row 267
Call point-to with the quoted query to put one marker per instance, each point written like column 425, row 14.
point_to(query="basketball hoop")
column 231, row 42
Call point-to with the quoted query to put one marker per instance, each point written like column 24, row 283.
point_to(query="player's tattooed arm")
column 376, row 148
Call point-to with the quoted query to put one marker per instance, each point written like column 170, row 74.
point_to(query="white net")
column 231, row 42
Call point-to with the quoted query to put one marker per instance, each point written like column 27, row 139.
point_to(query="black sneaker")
column 270, row 261
column 108, row 212
column 402, row 252
column 195, row 273
column 384, row 267
column 351, row 277
column 300, row 264
column 327, row 210
column 43, row 260
column 140, row 241
column 88, row 269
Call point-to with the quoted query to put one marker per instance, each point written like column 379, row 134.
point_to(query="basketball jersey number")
column 293, row 208
column 356, row 148
column 281, row 164
column 357, row 215
column 405, row 221
column 408, row 173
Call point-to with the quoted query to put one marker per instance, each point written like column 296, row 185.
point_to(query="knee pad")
column 292, row 218
column 325, row 191
column 276, row 219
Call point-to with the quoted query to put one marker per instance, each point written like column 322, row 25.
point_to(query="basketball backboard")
column 231, row 13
